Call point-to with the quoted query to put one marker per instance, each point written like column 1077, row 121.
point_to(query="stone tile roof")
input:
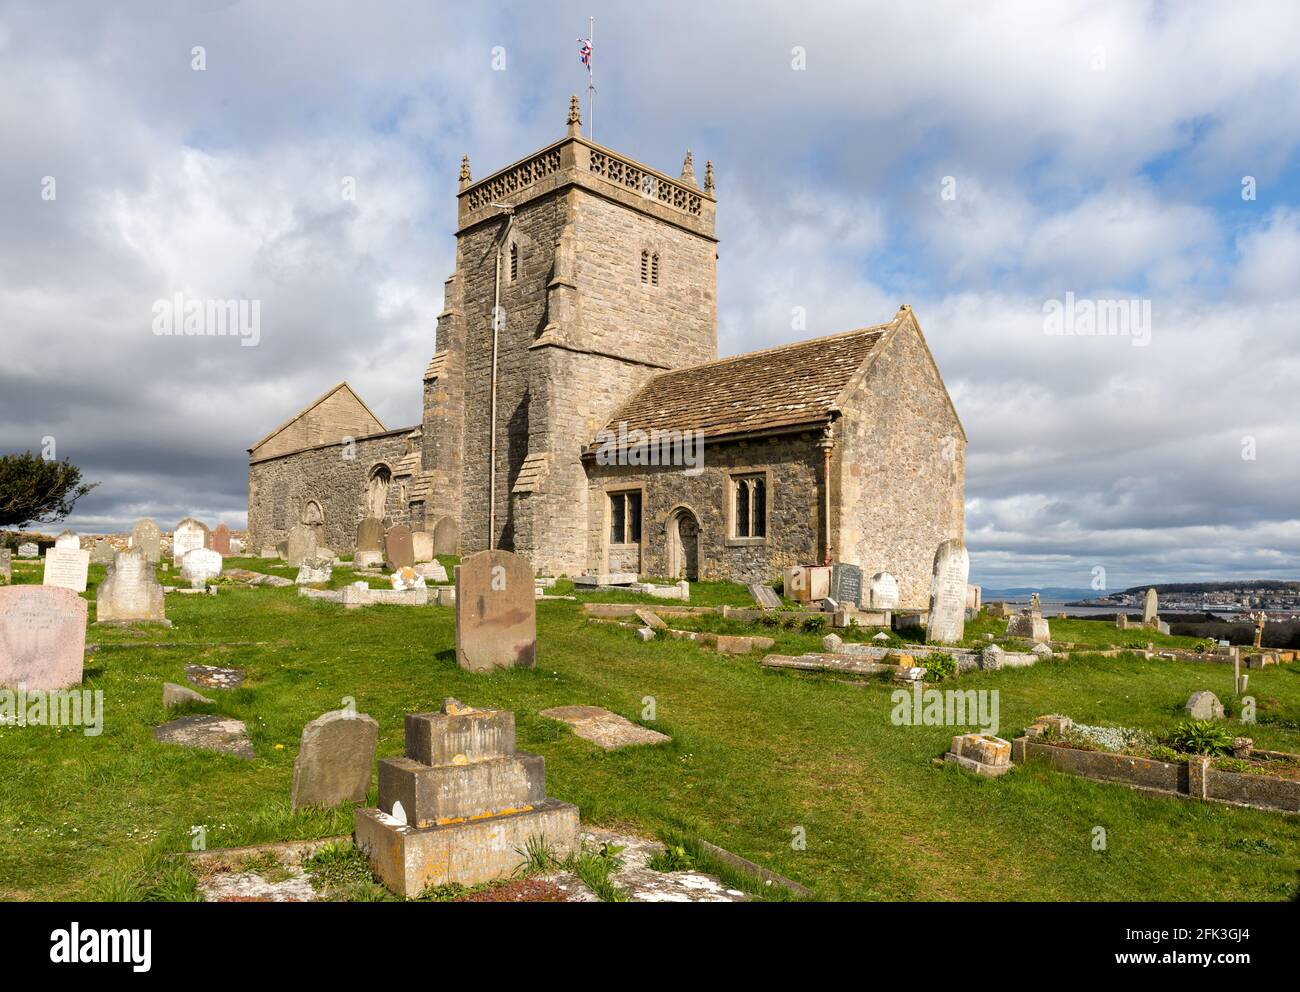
column 758, row 391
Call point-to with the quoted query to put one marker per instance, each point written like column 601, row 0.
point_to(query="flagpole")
column 591, row 89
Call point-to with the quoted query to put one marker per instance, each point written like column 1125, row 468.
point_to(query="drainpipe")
column 492, row 403
column 827, row 445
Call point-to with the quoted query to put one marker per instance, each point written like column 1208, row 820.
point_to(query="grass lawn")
column 755, row 755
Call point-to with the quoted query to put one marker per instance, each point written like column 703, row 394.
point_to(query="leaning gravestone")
column 947, row 620
column 1150, row 605
column 66, row 568
column 189, row 535
column 335, row 760
column 846, row 583
column 102, row 553
column 42, row 637
column 370, row 535
column 496, row 612
column 301, row 545
column 200, row 565
column 764, row 595
column 147, row 536
column 130, row 593
column 221, row 539
column 446, row 536
column 883, row 593
column 68, row 540
column 422, row 545
column 28, row 550
column 398, row 552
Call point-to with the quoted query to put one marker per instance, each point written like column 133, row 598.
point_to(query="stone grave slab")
column 601, row 727
column 764, row 595
column 42, row 637
column 66, row 568
column 335, row 758
column 213, row 677
column 207, row 733
column 496, row 612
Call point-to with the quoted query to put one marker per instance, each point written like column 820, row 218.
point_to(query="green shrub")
column 1201, row 737
column 672, row 858
column 814, row 625
column 939, row 666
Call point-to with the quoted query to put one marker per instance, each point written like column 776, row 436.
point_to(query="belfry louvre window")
column 514, row 262
column 625, row 518
column 645, row 267
column 750, row 518
column 654, row 269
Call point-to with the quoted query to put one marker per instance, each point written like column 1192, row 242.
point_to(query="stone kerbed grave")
column 335, row 759
column 608, row 730
column 461, row 804
column 1197, row 777
column 251, row 578
column 42, row 637
column 722, row 643
column 585, row 582
column 982, row 754
column 826, row 663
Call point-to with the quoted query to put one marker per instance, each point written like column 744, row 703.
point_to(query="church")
column 577, row 413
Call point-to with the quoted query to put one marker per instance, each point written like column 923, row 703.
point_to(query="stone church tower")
column 604, row 272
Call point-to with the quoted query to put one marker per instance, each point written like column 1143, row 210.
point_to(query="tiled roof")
column 761, row 390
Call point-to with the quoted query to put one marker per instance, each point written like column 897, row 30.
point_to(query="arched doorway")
column 684, row 545
column 314, row 517
column 381, row 477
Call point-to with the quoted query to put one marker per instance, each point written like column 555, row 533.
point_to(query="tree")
column 33, row 490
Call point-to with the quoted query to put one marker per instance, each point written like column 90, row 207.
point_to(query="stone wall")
column 337, row 416
column 279, row 489
column 899, row 469
column 793, row 464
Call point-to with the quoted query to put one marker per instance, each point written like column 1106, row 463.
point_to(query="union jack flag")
column 584, row 51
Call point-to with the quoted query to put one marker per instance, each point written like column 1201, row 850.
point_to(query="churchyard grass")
column 758, row 757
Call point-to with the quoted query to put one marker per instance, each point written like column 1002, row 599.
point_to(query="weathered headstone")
column 461, row 805
column 1204, row 705
column 432, row 570
column 973, row 600
column 496, row 612
column 69, row 540
column 315, row 570
column 208, row 733
column 1031, row 625
column 1150, row 605
column 764, row 595
column 102, row 553
column 131, row 592
column 200, row 565
column 335, row 760
column 147, row 536
column 221, row 540
column 883, row 592
column 301, row 544
column 947, row 619
column 1121, row 621
column 189, row 535
column 398, row 552
column 66, row 568
column 422, row 545
column 370, row 535
column 6, row 564
column 446, row 536
column 42, row 637
column 28, row 550
column 846, row 583
column 1035, row 603
column 174, row 695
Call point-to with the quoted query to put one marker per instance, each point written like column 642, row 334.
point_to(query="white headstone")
column 1150, row 606
column 68, row 540
column 201, row 564
column 66, row 568
column 28, row 550
column 883, row 592
column 947, row 620
column 189, row 535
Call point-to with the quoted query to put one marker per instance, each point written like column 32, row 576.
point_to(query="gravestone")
column 370, row 535
column 28, row 550
column 432, row 570
column 496, row 612
column 764, row 595
column 1150, row 604
column 200, row 565
column 1204, row 705
column 608, row 730
column 68, row 540
column 147, row 536
column 189, row 535
column 422, row 545
column 102, row 553
column 883, row 593
column 1035, row 603
column 221, row 540
column 208, row 733
column 315, row 570
column 846, row 584
column 301, row 544
column 973, row 599
column 1031, row 625
column 66, row 568
column 42, row 637
column 335, row 760
column 947, row 619
column 446, row 536
column 1121, row 621
column 461, row 805
column 398, row 552
column 131, row 592
column 6, row 564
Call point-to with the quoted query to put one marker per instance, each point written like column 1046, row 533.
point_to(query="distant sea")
column 1051, row 607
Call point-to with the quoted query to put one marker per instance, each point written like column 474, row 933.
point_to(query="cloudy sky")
column 974, row 160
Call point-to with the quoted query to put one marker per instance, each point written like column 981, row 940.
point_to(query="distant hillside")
column 1244, row 584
